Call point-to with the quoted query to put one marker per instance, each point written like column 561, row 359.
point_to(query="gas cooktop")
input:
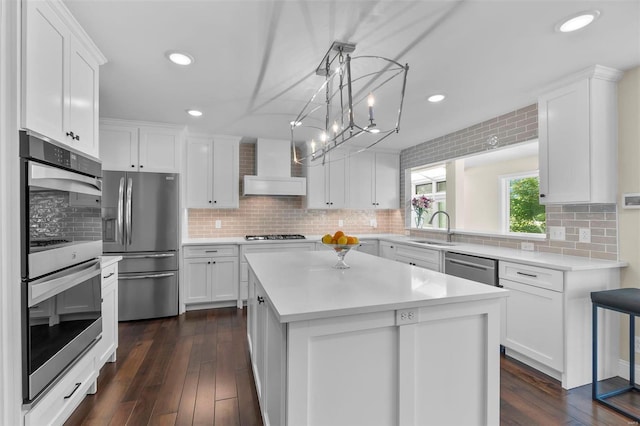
column 274, row 237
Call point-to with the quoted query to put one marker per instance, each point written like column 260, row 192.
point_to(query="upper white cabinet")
column 326, row 183
column 374, row 180
column 213, row 172
column 59, row 77
column 131, row 146
column 578, row 139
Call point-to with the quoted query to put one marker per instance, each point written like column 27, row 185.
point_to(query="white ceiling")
column 255, row 60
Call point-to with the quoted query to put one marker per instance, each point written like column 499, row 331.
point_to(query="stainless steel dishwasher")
column 481, row 269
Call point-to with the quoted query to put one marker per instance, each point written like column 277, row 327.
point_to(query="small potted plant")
column 421, row 204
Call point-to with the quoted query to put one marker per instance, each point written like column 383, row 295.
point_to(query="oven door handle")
column 120, row 217
column 41, row 175
column 49, row 286
column 128, row 209
column 147, row 276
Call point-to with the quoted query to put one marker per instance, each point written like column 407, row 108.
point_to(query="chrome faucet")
column 448, row 223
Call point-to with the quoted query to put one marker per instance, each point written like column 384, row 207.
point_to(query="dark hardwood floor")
column 195, row 369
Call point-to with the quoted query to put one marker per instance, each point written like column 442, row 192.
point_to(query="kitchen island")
column 381, row 343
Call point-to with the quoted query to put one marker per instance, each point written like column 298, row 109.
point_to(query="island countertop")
column 305, row 286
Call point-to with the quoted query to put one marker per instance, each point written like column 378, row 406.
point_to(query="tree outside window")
column 523, row 212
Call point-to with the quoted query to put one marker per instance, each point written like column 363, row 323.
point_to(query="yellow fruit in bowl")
column 337, row 235
column 326, row 239
column 342, row 240
column 356, row 240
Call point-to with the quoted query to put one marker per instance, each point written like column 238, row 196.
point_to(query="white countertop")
column 109, row 260
column 304, row 285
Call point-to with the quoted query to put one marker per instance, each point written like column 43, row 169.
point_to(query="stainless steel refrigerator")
column 140, row 223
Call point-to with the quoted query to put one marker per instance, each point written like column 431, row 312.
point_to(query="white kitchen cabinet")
column 132, row 146
column 418, row 256
column 59, row 402
column 265, row 248
column 60, row 77
column 547, row 321
column 578, row 139
column 387, row 250
column 326, row 183
column 210, row 274
column 108, row 344
column 368, row 246
column 213, row 172
column 374, row 180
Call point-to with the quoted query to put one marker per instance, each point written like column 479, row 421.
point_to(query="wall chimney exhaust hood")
column 273, row 169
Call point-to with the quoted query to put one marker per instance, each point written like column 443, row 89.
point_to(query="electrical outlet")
column 406, row 316
column 527, row 246
column 557, row 233
column 218, row 224
column 584, row 235
column 637, row 344
column 373, row 223
column 340, row 222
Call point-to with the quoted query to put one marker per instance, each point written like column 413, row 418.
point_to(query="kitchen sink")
column 433, row 242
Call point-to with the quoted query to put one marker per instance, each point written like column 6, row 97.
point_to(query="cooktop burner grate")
column 274, row 237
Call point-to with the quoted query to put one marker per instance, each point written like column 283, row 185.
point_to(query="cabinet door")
column 159, row 150
column 83, row 100
column 224, row 279
column 387, row 250
column 337, row 183
column 361, row 180
column 199, row 173
column 387, row 181
column 197, row 280
column 534, row 323
column 109, row 342
column 119, row 147
column 45, row 47
column 226, row 181
column 316, row 197
column 564, row 134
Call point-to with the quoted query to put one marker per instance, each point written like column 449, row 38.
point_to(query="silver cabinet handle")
column 527, row 275
column 148, row 256
column 144, row 277
column 211, row 251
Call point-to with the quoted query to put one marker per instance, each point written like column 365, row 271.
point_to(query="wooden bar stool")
column 626, row 301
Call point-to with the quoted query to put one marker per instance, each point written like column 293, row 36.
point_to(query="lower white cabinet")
column 368, row 246
column 58, row 403
column 547, row 321
column 264, row 248
column 418, row 256
column 108, row 345
column 387, row 250
column 211, row 274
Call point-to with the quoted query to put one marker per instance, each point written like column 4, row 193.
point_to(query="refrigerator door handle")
column 144, row 277
column 128, row 209
column 148, row 256
column 120, row 218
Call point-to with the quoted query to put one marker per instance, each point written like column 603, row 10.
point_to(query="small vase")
column 419, row 221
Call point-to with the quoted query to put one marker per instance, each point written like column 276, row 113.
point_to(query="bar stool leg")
column 632, row 350
column 594, row 352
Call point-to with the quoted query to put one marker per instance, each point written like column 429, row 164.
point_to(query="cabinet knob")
column 208, row 263
column 133, row 165
column 542, row 195
column 141, row 166
column 209, row 201
column 215, row 201
column 260, row 300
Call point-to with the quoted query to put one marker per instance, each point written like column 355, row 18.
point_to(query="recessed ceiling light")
column 194, row 112
column 436, row 98
column 180, row 58
column 577, row 21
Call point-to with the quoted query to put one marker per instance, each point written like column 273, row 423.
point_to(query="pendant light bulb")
column 313, row 145
column 370, row 101
column 335, row 127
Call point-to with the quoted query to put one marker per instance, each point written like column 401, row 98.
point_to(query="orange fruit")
column 327, row 239
column 351, row 240
column 342, row 240
column 338, row 234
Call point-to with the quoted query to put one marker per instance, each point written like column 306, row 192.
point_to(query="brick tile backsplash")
column 515, row 127
column 285, row 214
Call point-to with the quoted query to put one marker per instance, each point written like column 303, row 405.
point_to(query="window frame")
column 504, row 182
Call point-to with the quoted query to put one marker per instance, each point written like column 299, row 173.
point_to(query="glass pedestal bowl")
column 341, row 250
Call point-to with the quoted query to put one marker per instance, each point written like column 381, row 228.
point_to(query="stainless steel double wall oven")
column 61, row 238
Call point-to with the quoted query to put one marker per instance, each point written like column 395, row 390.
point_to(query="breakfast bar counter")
column 379, row 343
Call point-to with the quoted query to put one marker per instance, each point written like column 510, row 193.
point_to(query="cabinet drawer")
column 110, row 273
column 532, row 275
column 211, row 251
column 60, row 401
column 423, row 255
